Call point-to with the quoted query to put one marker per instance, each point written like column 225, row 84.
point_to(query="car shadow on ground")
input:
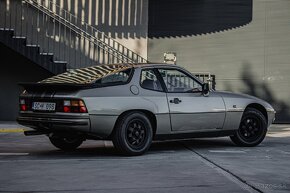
column 39, row 147
column 106, row 149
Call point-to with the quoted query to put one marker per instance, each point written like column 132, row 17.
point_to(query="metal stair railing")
column 206, row 77
column 59, row 32
column 102, row 38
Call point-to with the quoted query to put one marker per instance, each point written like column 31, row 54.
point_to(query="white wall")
column 253, row 59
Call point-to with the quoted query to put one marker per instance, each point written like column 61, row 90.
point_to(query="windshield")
column 95, row 74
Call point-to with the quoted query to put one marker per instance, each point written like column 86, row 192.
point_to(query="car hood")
column 227, row 94
column 235, row 95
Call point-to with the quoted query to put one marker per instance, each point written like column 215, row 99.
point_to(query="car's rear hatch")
column 52, row 92
column 75, row 79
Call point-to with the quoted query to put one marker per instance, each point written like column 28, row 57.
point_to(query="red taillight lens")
column 66, row 109
column 83, row 110
column 23, row 105
column 74, row 106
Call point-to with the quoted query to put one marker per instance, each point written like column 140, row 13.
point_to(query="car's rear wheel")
column 133, row 134
column 66, row 143
column 252, row 130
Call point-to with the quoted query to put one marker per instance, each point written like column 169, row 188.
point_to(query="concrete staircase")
column 57, row 40
column 32, row 52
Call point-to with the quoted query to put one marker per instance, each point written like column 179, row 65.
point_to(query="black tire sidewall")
column 61, row 143
column 121, row 133
column 257, row 114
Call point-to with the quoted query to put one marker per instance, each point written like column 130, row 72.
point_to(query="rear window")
column 103, row 74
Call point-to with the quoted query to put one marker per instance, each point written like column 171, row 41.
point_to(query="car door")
column 189, row 109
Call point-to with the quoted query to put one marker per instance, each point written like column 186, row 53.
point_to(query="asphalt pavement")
column 32, row 164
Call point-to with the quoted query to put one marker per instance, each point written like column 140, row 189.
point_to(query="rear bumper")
column 55, row 122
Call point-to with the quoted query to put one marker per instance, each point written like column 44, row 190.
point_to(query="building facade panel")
column 252, row 57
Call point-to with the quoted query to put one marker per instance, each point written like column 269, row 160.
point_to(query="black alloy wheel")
column 252, row 130
column 136, row 134
column 133, row 134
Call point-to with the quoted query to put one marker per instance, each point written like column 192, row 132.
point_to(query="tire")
column 252, row 129
column 66, row 143
column 133, row 134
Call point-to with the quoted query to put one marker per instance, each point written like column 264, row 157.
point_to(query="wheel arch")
column 151, row 116
column 258, row 107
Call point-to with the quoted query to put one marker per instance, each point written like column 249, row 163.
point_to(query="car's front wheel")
column 133, row 134
column 66, row 143
column 252, row 130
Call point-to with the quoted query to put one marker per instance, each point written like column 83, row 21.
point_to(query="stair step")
column 46, row 54
column 61, row 62
column 60, row 66
column 19, row 37
column 18, row 44
column 46, row 59
column 6, row 29
column 5, row 35
column 34, row 46
column 31, row 51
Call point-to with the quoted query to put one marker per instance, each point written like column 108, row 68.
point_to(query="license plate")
column 43, row 106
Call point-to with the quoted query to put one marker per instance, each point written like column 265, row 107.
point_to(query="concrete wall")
column 15, row 69
column 245, row 43
column 250, row 57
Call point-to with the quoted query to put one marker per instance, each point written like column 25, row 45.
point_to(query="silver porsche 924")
column 135, row 104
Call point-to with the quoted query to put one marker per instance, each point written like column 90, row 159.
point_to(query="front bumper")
column 55, row 122
column 271, row 116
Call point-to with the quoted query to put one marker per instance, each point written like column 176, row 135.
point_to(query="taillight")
column 23, row 105
column 74, row 106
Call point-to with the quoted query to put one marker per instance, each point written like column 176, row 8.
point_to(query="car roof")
column 88, row 75
column 141, row 65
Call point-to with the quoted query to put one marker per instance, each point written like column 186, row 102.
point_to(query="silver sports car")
column 135, row 104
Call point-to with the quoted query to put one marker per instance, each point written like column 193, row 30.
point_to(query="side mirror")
column 205, row 89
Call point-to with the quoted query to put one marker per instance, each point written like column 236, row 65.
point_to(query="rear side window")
column 149, row 80
column 115, row 78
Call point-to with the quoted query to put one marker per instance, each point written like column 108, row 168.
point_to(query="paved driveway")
column 32, row 164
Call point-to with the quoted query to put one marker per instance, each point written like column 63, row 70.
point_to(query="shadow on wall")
column 263, row 91
column 15, row 68
column 161, row 18
column 116, row 18
column 171, row 18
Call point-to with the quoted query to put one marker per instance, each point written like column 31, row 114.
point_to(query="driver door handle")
column 175, row 101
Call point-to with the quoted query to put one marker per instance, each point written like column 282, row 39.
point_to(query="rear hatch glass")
column 83, row 78
column 102, row 74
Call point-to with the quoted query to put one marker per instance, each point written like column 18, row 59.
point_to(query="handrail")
column 100, row 44
column 206, row 77
column 60, row 36
column 65, row 22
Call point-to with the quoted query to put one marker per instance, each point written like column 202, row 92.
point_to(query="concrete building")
column 244, row 43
